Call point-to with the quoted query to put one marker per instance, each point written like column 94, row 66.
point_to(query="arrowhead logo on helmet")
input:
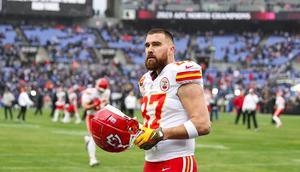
column 112, row 130
column 115, row 141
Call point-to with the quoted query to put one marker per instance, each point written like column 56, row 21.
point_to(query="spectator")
column 39, row 102
column 130, row 103
column 24, row 101
column 238, row 103
column 7, row 101
column 249, row 108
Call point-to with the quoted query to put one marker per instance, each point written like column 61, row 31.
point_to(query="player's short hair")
column 161, row 30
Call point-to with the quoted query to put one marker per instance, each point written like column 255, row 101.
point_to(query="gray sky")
column 100, row 5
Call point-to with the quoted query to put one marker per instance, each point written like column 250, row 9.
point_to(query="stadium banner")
column 63, row 8
column 129, row 14
column 107, row 51
column 29, row 49
column 194, row 15
column 202, row 15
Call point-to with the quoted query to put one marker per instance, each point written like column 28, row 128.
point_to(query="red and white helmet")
column 112, row 130
column 102, row 84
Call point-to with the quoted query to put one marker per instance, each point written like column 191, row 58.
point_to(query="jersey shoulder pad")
column 187, row 71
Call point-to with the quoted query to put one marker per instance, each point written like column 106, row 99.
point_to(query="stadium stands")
column 72, row 58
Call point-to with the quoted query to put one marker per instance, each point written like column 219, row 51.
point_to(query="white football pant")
column 277, row 121
column 91, row 147
column 56, row 115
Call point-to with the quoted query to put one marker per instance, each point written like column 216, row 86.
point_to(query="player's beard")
column 154, row 64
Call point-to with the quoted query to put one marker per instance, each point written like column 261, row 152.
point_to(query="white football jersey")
column 90, row 94
column 280, row 102
column 161, row 107
column 61, row 98
column 73, row 98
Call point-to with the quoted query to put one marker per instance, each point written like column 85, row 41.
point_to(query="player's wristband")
column 191, row 129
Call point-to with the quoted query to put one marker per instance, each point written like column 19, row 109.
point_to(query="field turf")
column 39, row 145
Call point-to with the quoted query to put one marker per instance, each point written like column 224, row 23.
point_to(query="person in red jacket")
column 238, row 104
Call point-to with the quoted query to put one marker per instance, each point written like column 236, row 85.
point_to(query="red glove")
column 97, row 103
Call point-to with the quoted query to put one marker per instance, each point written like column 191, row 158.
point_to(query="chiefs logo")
column 164, row 84
column 141, row 82
column 115, row 141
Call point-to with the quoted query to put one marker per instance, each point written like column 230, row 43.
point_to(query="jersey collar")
column 154, row 75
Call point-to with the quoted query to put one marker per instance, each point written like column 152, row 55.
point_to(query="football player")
column 93, row 99
column 173, row 108
column 72, row 107
column 60, row 103
column 279, row 108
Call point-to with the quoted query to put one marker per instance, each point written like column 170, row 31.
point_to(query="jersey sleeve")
column 189, row 72
column 141, row 85
column 86, row 97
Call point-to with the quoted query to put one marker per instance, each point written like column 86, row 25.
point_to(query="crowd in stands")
column 70, row 58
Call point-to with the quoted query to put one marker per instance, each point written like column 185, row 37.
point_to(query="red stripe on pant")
column 182, row 164
column 88, row 120
column 278, row 112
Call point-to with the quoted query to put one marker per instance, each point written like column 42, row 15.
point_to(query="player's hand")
column 147, row 138
column 96, row 104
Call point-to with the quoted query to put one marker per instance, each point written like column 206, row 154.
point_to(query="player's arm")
column 192, row 98
column 88, row 105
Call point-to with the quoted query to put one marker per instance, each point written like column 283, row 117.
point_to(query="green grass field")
column 43, row 146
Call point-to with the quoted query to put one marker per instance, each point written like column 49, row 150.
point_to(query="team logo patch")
column 141, row 82
column 164, row 84
column 115, row 141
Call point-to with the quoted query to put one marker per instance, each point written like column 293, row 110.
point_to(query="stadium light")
column 237, row 92
column 215, row 91
column 33, row 93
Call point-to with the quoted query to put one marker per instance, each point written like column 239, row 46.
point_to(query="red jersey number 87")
column 149, row 100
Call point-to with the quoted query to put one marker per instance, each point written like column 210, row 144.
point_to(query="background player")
column 72, row 108
column 279, row 107
column 174, row 107
column 92, row 101
column 60, row 103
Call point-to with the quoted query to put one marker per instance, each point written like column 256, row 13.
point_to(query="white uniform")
column 61, row 98
column 60, row 105
column 72, row 108
column 73, row 98
column 90, row 94
column 280, row 102
column 161, row 107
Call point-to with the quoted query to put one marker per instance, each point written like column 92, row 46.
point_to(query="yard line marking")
column 31, row 145
column 71, row 167
column 39, row 154
column 212, row 146
column 261, row 151
column 68, row 132
column 20, row 125
column 264, row 164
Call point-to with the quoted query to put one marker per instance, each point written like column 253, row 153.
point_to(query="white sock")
column 66, row 117
column 277, row 120
column 91, row 148
column 55, row 116
column 77, row 116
